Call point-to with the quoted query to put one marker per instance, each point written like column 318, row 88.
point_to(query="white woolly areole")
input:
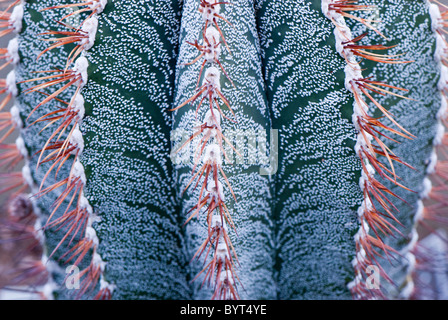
column 419, row 212
column 11, row 83
column 106, row 285
column 355, row 281
column 367, row 203
column 212, row 35
column 411, row 245
column 78, row 106
column 78, row 171
column 20, row 145
column 16, row 18
column 97, row 261
column 77, row 140
column 427, row 186
column 212, row 118
column 84, row 204
column 218, row 221
column 439, row 134
column 226, row 275
column 48, row 289
column 91, row 235
column 90, row 26
column 436, row 17
column 98, row 6
column 13, row 51
column 362, row 232
column 212, row 77
column 330, row 14
column 442, row 85
column 411, row 259
column 432, row 162
column 352, row 72
column 343, row 34
column 15, row 116
column 209, row 11
column 26, row 174
column 213, row 154
column 221, row 251
column 216, row 194
column 81, row 65
column 361, row 255
column 212, row 51
column 361, row 142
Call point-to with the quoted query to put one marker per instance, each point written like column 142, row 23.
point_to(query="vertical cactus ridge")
column 243, row 115
column 52, row 108
column 126, row 153
column 414, row 41
column 429, row 252
column 318, row 171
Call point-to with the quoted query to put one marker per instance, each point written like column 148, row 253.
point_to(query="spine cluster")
column 208, row 159
column 376, row 214
column 65, row 145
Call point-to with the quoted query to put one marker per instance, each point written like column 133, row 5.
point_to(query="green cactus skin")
column 296, row 228
column 317, row 192
column 129, row 107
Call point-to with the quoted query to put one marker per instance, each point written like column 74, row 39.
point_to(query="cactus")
column 241, row 149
